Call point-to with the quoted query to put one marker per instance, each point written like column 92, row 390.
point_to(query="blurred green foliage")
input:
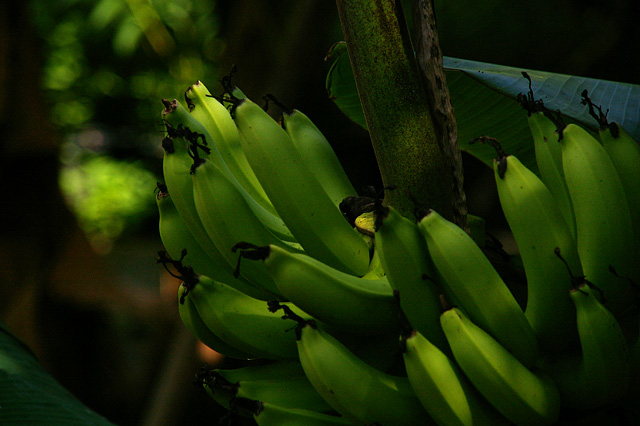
column 107, row 65
column 107, row 193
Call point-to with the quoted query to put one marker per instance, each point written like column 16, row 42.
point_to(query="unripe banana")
column 289, row 391
column 443, row 389
column 625, row 156
column 599, row 374
column 242, row 321
column 193, row 322
column 525, row 397
column 468, row 279
column 603, row 219
column 318, row 155
column 525, row 200
column 548, row 153
column 267, row 414
column 353, row 388
column 310, row 214
column 357, row 304
column 228, row 218
column 405, row 259
column 223, row 133
column 177, row 238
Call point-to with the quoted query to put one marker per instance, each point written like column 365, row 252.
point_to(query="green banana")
column 242, row 321
column 310, row 214
column 548, row 153
column 356, row 390
column 176, row 164
column 525, row 397
column 188, row 312
column 268, row 414
column 199, row 147
column 177, row 238
column 228, row 219
column 193, row 322
column 288, row 391
column 603, row 219
column 525, row 200
column 442, row 387
column 318, row 155
column 624, row 152
column 358, row 304
column 599, row 374
column 262, row 370
column 405, row 259
column 469, row 279
column 216, row 119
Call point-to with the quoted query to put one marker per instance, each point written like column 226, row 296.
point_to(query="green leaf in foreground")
column 484, row 101
column 29, row 396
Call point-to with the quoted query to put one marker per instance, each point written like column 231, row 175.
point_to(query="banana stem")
column 396, row 107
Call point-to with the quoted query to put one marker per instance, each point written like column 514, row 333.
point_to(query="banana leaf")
column 29, row 396
column 484, row 101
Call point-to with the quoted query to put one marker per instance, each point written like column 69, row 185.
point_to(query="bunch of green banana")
column 391, row 320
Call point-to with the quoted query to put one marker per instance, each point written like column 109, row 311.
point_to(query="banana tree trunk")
column 408, row 132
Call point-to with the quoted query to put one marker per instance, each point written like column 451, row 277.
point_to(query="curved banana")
column 526, row 201
column 469, row 279
column 177, row 238
column 261, row 370
column 180, row 148
column 228, row 220
column 176, row 164
column 268, row 414
column 405, row 259
column 353, row 388
column 356, row 304
column 524, row 397
column 307, row 210
column 318, row 155
column 289, row 391
column 193, row 322
column 199, row 147
column 624, row 152
column 549, row 160
column 223, row 133
column 442, row 387
column 599, row 374
column 548, row 153
column 603, row 219
column 242, row 321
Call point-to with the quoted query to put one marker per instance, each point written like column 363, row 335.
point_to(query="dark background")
column 76, row 85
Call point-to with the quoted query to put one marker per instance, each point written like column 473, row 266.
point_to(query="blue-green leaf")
column 484, row 101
